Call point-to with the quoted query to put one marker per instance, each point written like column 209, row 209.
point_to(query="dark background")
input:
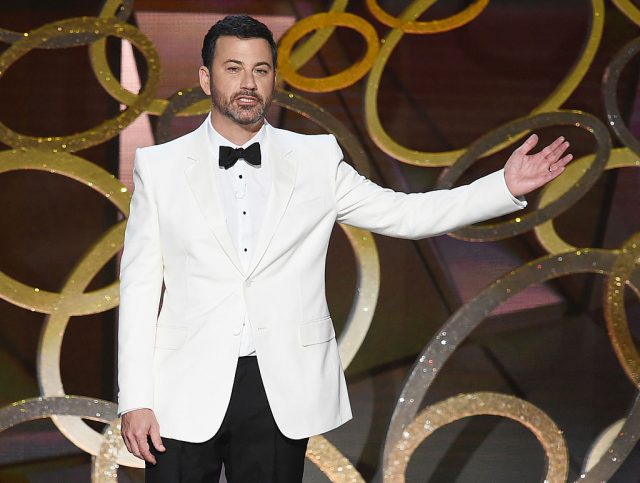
column 438, row 92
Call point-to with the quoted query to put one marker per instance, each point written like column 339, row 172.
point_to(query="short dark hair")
column 241, row 26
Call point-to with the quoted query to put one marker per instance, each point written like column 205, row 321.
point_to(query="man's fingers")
column 555, row 149
column 561, row 163
column 559, row 151
column 529, row 144
column 143, row 446
column 155, row 438
column 132, row 446
column 137, row 426
column 126, row 442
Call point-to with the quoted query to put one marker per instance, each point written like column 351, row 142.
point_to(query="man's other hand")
column 137, row 425
column 524, row 172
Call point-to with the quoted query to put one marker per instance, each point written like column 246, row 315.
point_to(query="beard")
column 243, row 115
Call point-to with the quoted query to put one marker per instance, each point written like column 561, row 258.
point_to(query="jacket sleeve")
column 363, row 204
column 141, row 273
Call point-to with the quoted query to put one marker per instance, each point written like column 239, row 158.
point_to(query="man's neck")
column 238, row 134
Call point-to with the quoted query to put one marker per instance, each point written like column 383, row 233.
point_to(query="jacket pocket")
column 170, row 336
column 317, row 332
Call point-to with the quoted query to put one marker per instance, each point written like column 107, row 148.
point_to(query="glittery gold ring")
column 439, row 159
column 337, row 81
column 479, row 404
column 467, row 318
column 626, row 272
column 610, row 94
column 108, row 129
column 121, row 9
column 523, row 223
column 70, row 166
column 546, row 232
column 432, row 26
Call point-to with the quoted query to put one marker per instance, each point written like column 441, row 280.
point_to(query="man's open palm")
column 526, row 172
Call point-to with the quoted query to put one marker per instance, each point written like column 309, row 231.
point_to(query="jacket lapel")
column 202, row 181
column 284, row 168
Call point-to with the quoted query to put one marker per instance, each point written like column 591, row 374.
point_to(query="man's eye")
column 232, row 69
column 262, row 71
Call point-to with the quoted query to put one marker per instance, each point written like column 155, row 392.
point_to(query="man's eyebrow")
column 234, row 61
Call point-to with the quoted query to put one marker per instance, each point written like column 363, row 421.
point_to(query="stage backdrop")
column 147, row 105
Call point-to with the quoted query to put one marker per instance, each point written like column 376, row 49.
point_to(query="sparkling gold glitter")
column 573, row 193
column 468, row 317
column 432, row 26
column 422, row 158
column 51, row 154
column 475, row 404
column 107, row 129
column 625, row 271
column 331, row 462
column 336, row 81
column 545, row 231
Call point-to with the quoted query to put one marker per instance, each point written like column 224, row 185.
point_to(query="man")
column 241, row 365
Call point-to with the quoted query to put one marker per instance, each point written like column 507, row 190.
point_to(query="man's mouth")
column 247, row 100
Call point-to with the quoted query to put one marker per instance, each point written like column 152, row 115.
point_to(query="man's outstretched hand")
column 524, row 172
column 136, row 426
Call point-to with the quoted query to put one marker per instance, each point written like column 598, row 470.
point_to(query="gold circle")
column 546, row 232
column 477, row 404
column 76, row 407
column 51, row 338
column 108, row 80
column 625, row 272
column 120, row 9
column 106, row 130
column 629, row 9
column 423, row 158
column 457, row 328
column 331, row 462
column 333, row 82
column 306, row 51
column 104, row 467
column 432, row 26
column 74, row 167
column 71, row 300
column 589, row 176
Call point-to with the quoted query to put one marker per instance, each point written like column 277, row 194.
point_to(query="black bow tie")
column 228, row 155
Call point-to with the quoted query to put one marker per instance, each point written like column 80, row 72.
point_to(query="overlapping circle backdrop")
column 409, row 426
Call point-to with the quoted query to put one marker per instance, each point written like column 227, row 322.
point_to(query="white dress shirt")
column 244, row 192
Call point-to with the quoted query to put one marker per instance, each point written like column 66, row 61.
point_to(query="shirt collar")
column 216, row 139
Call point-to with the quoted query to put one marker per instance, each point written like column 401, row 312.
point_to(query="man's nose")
column 248, row 81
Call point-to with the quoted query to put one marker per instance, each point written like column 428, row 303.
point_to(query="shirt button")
column 245, row 249
column 248, row 283
column 237, row 331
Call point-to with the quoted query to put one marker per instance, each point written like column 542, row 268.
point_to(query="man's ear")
column 205, row 80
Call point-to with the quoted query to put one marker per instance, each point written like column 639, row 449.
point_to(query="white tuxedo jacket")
column 181, row 362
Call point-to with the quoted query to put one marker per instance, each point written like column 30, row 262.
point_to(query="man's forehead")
column 251, row 47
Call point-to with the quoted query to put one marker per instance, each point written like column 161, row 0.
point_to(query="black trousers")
column 248, row 443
